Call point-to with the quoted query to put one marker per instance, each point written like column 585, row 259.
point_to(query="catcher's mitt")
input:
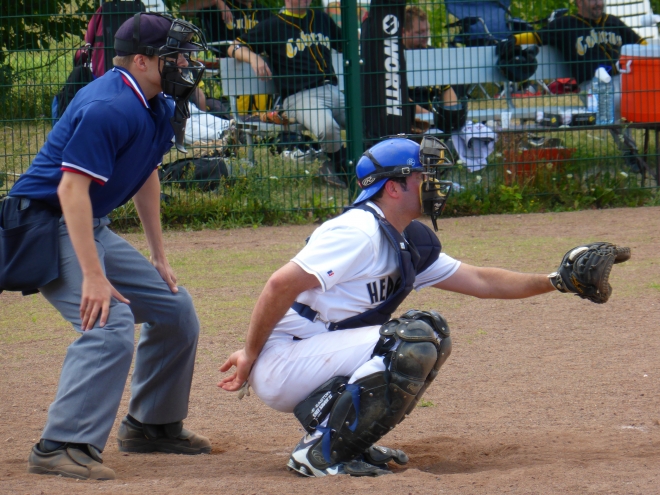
column 585, row 270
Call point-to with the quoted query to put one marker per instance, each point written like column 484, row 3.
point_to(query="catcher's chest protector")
column 416, row 250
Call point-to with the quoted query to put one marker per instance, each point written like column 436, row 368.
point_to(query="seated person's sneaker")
column 171, row 438
column 307, row 459
column 632, row 160
column 82, row 462
column 332, row 178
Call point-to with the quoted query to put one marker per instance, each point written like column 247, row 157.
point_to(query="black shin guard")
column 313, row 410
column 414, row 347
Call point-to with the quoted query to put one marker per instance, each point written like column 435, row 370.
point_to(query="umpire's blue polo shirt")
column 109, row 132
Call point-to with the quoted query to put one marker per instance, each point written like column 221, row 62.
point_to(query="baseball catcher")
column 323, row 343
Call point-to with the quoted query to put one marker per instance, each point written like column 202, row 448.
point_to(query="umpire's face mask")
column 436, row 159
column 179, row 80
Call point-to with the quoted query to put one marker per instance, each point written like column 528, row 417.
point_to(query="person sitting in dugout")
column 297, row 41
column 450, row 115
column 223, row 22
column 588, row 40
column 322, row 342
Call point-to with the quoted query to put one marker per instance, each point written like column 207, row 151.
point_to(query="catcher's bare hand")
column 243, row 365
column 585, row 270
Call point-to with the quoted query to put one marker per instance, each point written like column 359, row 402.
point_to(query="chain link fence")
column 292, row 97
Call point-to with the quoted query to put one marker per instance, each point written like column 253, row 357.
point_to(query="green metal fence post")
column 352, row 85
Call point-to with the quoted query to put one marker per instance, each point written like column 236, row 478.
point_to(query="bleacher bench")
column 425, row 67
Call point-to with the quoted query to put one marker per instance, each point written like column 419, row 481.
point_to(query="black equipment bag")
column 80, row 76
column 517, row 64
column 204, row 172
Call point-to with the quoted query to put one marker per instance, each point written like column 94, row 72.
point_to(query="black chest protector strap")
column 416, row 250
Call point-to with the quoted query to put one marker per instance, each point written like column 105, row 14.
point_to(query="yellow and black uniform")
column 245, row 18
column 586, row 44
column 298, row 47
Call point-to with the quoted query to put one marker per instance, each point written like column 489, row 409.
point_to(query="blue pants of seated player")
column 97, row 364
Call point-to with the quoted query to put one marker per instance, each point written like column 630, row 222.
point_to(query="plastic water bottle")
column 592, row 99
column 604, row 88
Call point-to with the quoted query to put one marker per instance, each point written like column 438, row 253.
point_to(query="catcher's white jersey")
column 357, row 268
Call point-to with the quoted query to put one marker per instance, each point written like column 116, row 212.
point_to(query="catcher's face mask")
column 435, row 158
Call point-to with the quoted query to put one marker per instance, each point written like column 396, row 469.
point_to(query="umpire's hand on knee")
column 97, row 292
column 165, row 270
column 243, row 364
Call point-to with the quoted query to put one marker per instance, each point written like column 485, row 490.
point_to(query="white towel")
column 474, row 143
column 202, row 126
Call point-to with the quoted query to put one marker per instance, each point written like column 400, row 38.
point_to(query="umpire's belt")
column 311, row 315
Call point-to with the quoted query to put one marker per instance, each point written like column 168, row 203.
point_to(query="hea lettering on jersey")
column 380, row 290
column 583, row 43
column 392, row 66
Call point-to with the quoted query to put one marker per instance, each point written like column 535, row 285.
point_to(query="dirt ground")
column 546, row 395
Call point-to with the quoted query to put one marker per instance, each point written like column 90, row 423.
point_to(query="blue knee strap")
column 327, row 432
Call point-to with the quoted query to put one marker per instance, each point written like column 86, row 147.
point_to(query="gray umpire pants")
column 321, row 110
column 97, row 364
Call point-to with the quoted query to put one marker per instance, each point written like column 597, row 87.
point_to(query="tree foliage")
column 36, row 25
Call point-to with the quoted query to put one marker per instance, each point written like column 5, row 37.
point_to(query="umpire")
column 104, row 151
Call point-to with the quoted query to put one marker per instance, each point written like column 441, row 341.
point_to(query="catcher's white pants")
column 288, row 370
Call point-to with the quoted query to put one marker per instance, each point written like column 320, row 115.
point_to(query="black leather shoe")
column 172, row 438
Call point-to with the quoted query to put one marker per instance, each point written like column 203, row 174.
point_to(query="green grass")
column 226, row 278
column 425, row 403
column 36, row 77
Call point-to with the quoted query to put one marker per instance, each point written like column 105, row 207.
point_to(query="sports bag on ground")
column 204, row 172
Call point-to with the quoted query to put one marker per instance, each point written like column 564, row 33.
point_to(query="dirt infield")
column 552, row 394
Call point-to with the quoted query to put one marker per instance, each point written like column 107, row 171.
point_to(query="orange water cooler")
column 640, row 82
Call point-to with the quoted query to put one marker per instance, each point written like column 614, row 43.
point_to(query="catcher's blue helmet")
column 395, row 157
